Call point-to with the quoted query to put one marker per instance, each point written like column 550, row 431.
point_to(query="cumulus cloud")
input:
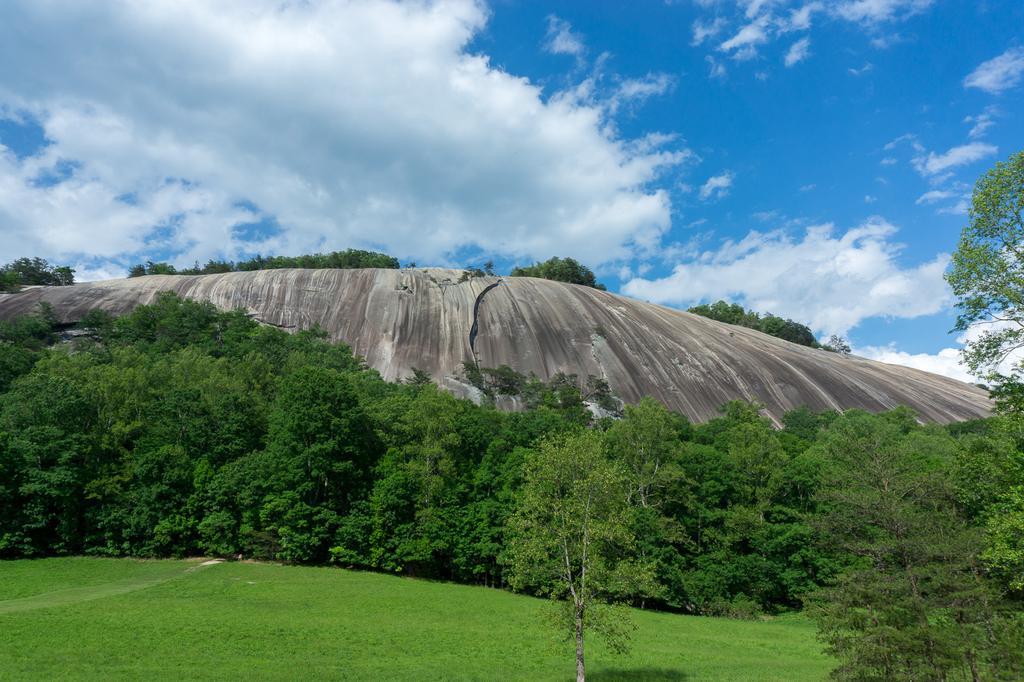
column 998, row 74
column 829, row 281
column 946, row 362
column 717, row 186
column 329, row 124
column 934, row 164
column 798, row 52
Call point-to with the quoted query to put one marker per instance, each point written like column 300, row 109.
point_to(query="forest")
column 181, row 430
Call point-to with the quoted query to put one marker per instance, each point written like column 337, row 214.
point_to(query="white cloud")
column 961, row 207
column 946, row 362
column 934, row 164
column 641, row 89
column 889, row 161
column 869, row 199
column 830, row 282
column 800, row 18
column 754, row 7
column 745, row 42
column 717, row 186
column 981, row 123
column 560, row 38
column 350, row 124
column 807, row 188
column 880, row 11
column 716, row 69
column 999, row 74
column 907, row 137
column 934, row 196
column 758, row 22
column 862, row 70
column 798, row 52
column 705, row 30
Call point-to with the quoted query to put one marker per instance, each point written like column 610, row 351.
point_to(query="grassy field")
column 118, row 618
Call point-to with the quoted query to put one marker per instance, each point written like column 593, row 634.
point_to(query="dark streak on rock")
column 476, row 319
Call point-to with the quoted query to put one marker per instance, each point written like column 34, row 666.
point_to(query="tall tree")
column 570, row 534
column 987, row 278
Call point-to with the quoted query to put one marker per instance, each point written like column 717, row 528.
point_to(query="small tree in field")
column 569, row 537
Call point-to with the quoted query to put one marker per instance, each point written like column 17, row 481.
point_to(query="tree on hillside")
column 773, row 325
column 151, row 268
column 987, row 278
column 569, row 536
column 560, row 270
column 837, row 344
column 34, row 271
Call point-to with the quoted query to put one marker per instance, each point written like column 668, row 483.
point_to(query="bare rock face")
column 429, row 319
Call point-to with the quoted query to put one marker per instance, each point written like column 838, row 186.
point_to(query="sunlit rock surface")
column 424, row 318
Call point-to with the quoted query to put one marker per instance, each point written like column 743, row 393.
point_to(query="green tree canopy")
column 987, row 276
column 341, row 260
column 560, row 270
column 34, row 271
column 570, row 534
column 773, row 325
column 912, row 605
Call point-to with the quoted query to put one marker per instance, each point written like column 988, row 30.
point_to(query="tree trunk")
column 975, row 675
column 581, row 675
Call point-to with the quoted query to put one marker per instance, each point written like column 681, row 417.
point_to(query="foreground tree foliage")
column 987, row 278
column 571, row 538
column 181, row 430
column 913, row 604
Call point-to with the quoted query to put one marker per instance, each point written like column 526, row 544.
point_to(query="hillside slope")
column 428, row 319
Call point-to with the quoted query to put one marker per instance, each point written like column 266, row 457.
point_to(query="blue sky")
column 813, row 159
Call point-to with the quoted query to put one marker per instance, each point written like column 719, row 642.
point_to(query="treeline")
column 30, row 271
column 773, row 325
column 339, row 260
column 34, row 271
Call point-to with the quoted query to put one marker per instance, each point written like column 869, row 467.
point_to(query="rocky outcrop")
column 434, row 320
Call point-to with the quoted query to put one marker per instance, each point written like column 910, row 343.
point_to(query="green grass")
column 123, row 619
